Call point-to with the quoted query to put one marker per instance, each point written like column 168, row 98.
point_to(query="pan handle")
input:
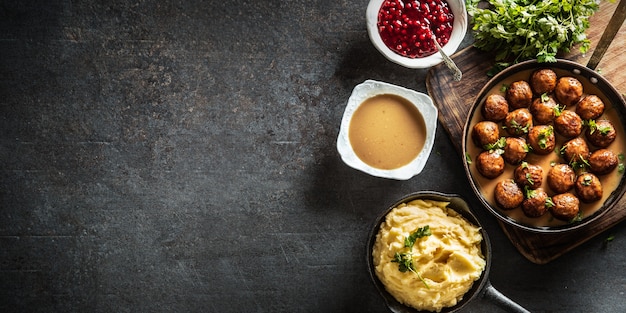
column 495, row 296
column 609, row 33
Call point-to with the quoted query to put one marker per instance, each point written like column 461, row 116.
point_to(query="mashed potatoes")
column 445, row 263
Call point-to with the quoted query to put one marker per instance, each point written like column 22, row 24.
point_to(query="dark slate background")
column 179, row 156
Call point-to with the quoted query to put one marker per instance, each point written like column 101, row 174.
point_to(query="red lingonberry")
column 407, row 29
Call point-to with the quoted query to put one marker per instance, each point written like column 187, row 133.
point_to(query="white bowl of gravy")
column 387, row 131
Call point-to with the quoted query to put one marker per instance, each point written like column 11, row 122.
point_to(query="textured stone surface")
column 180, row 156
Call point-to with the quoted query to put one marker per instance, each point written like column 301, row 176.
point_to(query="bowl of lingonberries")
column 404, row 30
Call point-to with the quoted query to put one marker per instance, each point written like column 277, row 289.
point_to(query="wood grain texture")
column 454, row 100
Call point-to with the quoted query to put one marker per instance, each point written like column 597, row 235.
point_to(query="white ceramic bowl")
column 371, row 88
column 459, row 28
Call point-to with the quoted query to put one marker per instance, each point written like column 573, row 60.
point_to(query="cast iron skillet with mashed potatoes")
column 481, row 287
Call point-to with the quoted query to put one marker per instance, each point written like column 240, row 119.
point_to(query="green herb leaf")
column 468, row 159
column 404, row 260
column 610, row 238
column 558, row 110
column 497, row 146
column 544, row 134
column 577, row 218
column 418, row 233
column 517, row 128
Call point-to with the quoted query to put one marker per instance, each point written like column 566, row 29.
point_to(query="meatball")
column 561, row 178
column 490, row 164
column 485, row 133
column 544, row 110
column 590, row 107
column 600, row 133
column 541, row 139
column 508, row 195
column 495, row 108
column 575, row 152
column 534, row 205
column 602, row 161
column 568, row 124
column 588, row 187
column 543, row 81
column 515, row 150
column 528, row 175
column 566, row 206
column 519, row 95
column 568, row 90
column 518, row 122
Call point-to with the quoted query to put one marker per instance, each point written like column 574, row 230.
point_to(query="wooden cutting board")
column 454, row 99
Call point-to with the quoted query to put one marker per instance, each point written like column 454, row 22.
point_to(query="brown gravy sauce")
column 387, row 131
column 609, row 181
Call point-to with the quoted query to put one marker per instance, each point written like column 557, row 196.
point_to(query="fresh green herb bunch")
column 519, row 30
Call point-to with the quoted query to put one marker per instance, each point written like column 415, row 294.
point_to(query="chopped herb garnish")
column 468, row 159
column 544, row 134
column 579, row 163
column 545, row 97
column 593, row 127
column 591, row 124
column 558, row 110
column 611, row 237
column 497, row 146
column 418, row 233
column 529, row 178
column 405, row 259
column 577, row 218
column 517, row 128
column 605, row 130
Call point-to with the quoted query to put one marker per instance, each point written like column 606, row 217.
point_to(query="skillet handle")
column 611, row 30
column 496, row 297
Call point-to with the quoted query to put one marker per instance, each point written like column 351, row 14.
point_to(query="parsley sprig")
column 531, row 29
column 497, row 146
column 593, row 127
column 544, row 135
column 405, row 259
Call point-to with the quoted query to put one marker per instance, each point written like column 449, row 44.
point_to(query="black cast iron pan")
column 594, row 83
column 480, row 288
